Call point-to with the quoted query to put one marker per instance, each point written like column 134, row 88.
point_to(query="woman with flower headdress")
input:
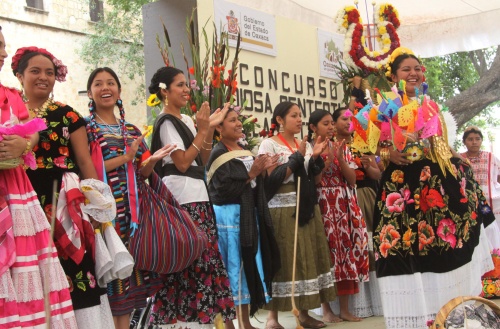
column 192, row 297
column 298, row 161
column 62, row 153
column 33, row 288
column 429, row 212
column 119, row 154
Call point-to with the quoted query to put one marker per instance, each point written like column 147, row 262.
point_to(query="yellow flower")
column 386, row 41
column 382, row 30
column 397, row 176
column 490, row 289
column 153, row 101
column 149, row 130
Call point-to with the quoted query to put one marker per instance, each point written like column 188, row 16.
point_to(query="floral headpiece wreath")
column 395, row 54
column 61, row 69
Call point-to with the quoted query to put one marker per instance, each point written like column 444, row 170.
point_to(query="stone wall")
column 61, row 28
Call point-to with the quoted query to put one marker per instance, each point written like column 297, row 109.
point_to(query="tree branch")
column 484, row 92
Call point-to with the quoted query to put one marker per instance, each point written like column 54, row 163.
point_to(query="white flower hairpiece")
column 162, row 85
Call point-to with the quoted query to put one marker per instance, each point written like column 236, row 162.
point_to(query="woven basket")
column 11, row 163
column 443, row 313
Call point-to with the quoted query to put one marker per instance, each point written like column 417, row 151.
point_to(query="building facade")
column 61, row 26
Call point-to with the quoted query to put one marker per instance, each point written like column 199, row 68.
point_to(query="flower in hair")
column 61, row 69
column 162, row 85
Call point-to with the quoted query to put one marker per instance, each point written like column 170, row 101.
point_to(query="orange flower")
column 46, row 145
column 63, row 150
column 389, row 238
column 73, row 116
column 191, row 70
column 407, row 238
column 397, row 176
column 53, row 136
column 39, row 162
column 425, row 234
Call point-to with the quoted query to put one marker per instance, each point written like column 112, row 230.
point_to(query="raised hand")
column 203, row 117
column 319, row 146
column 218, row 116
column 132, row 150
column 163, row 152
column 302, row 146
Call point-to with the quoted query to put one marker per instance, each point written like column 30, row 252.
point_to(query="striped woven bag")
column 167, row 240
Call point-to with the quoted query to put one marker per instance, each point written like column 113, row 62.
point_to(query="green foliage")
column 117, row 41
column 452, row 74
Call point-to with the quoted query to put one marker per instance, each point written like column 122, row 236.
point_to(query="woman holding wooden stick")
column 313, row 279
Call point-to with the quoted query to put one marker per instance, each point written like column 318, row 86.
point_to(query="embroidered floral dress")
column 55, row 156
column 32, row 268
column 345, row 226
column 427, row 240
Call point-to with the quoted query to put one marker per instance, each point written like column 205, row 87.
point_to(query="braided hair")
column 314, row 119
column 281, row 110
column 92, row 105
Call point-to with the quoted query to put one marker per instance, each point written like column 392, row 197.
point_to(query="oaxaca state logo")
column 232, row 23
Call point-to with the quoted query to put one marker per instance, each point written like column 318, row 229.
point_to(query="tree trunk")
column 485, row 91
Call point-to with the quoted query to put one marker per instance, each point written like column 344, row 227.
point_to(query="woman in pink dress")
column 32, row 280
column 345, row 226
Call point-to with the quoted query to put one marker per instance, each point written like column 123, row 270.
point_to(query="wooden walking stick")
column 295, row 311
column 46, row 283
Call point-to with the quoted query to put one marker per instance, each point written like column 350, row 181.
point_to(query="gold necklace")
column 41, row 111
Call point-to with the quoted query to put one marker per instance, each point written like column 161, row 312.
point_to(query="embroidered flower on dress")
column 446, row 231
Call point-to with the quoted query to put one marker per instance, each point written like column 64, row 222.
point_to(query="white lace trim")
column 29, row 280
column 96, row 317
column 364, row 304
column 28, row 220
column 410, row 300
column 304, row 287
column 283, row 200
column 7, row 291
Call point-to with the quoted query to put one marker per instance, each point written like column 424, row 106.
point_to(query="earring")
column 23, row 95
column 313, row 135
column 51, row 95
column 281, row 130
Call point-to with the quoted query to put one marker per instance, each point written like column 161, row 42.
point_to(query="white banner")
column 257, row 29
column 330, row 48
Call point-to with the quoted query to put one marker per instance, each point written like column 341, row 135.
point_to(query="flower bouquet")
column 359, row 59
column 209, row 79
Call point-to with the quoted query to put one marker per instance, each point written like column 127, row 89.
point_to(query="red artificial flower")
column 191, row 70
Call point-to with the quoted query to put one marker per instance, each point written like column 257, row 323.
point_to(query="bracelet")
column 28, row 146
column 196, row 147
column 206, row 149
column 386, row 143
column 207, row 143
column 385, row 156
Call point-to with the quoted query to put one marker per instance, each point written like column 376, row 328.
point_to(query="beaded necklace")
column 115, row 130
column 41, row 112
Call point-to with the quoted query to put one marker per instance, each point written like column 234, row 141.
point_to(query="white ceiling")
column 411, row 12
column 429, row 27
